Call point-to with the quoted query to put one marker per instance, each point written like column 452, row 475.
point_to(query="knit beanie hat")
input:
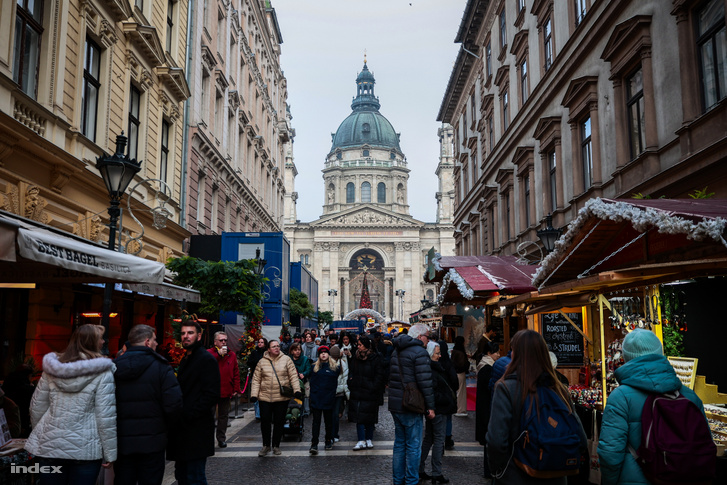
column 335, row 352
column 324, row 348
column 641, row 342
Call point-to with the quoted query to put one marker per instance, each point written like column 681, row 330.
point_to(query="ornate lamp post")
column 332, row 300
column 117, row 171
column 400, row 294
column 549, row 235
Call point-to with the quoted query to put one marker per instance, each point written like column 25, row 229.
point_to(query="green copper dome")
column 365, row 125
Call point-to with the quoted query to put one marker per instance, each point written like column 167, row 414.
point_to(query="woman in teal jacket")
column 645, row 372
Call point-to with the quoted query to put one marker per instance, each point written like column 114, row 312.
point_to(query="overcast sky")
column 410, row 49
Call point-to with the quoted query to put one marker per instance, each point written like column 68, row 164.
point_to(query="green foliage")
column 325, row 319
column 639, row 195
column 701, row 194
column 673, row 338
column 227, row 286
column 299, row 305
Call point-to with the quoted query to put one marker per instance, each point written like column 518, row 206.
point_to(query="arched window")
column 381, row 193
column 365, row 192
column 350, row 193
column 366, row 152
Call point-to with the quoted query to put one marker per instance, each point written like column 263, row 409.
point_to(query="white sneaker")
column 336, row 440
column 361, row 445
column 461, row 415
column 369, row 444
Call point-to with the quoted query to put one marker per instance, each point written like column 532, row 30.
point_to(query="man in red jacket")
column 229, row 383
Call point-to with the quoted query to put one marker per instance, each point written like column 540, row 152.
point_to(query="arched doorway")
column 371, row 262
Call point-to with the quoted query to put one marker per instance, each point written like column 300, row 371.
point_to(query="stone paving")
column 239, row 463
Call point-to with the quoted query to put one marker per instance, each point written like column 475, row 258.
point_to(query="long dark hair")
column 530, row 360
column 84, row 344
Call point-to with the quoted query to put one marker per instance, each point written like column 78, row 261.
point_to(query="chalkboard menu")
column 564, row 340
column 451, row 320
column 498, row 324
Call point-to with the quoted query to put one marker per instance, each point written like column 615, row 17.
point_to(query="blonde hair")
column 84, row 344
column 332, row 363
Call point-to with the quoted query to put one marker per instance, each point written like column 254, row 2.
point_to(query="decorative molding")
column 59, row 177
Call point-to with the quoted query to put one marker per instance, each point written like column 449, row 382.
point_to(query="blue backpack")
column 549, row 443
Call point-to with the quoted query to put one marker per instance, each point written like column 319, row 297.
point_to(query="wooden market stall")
column 611, row 263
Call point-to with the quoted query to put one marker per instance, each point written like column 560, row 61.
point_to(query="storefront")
column 613, row 269
column 51, row 281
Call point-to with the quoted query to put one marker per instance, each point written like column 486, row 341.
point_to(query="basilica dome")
column 365, row 125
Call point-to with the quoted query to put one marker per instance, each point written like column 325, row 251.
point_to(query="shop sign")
column 451, row 320
column 562, row 339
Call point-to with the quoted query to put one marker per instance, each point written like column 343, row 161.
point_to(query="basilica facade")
column 366, row 231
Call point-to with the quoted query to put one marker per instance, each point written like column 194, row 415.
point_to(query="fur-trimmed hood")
column 74, row 376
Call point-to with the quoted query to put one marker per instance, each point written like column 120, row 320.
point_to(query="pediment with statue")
column 367, row 216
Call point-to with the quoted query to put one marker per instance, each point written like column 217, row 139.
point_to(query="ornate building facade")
column 74, row 74
column 366, row 228
column 239, row 126
column 555, row 103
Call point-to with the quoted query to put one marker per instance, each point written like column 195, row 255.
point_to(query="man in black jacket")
column 148, row 401
column 409, row 363
column 193, row 440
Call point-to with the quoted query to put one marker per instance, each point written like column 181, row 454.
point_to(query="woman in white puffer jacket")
column 73, row 411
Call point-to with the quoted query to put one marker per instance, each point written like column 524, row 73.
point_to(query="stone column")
column 576, row 159
column 595, row 143
column 622, row 124
column 387, row 300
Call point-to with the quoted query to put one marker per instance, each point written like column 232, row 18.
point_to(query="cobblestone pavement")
column 239, row 463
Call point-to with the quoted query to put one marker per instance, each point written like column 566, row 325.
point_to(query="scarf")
column 485, row 360
column 363, row 354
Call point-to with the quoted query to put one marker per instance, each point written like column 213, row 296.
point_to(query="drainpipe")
column 187, row 107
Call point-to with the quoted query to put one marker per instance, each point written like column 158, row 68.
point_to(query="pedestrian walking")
column 229, row 384
column 451, row 374
column 310, row 351
column 193, row 440
column 409, row 364
column 274, row 371
column 261, row 346
column 529, row 371
column 323, row 384
column 342, row 391
column 445, row 403
column 302, row 364
column 645, row 371
column 73, row 411
column 490, row 352
column 148, row 402
column 366, row 382
column 461, row 366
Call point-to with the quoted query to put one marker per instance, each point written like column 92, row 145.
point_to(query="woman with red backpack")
column 529, row 403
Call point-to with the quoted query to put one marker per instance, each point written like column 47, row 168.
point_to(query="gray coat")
column 503, row 430
column 410, row 361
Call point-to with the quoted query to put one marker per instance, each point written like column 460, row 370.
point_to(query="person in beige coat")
column 274, row 371
column 73, row 411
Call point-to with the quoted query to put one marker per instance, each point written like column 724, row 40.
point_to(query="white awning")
column 43, row 255
column 165, row 290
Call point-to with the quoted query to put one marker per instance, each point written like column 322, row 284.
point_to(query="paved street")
column 240, row 461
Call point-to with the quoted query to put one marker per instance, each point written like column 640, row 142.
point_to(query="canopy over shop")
column 480, row 281
column 58, row 275
column 624, row 248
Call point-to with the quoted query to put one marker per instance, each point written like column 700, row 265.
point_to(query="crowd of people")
column 88, row 411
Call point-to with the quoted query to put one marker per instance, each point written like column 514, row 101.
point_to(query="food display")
column 686, row 369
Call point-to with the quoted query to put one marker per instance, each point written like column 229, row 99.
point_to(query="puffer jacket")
column 409, row 363
column 265, row 386
column 366, row 380
column 342, row 387
column 73, row 410
column 503, row 430
column 621, row 426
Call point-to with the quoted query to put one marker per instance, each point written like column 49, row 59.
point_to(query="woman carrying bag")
column 323, row 383
column 274, row 383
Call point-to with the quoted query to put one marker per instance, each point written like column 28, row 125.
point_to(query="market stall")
column 612, row 263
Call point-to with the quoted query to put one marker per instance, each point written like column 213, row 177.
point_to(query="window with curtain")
column 365, row 192
column 586, row 153
column 635, row 108
column 28, row 34
column 91, row 85
column 381, row 193
column 712, row 46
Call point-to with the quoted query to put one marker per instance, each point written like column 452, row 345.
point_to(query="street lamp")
column 332, row 300
column 400, row 293
column 260, row 268
column 117, row 171
column 549, row 235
